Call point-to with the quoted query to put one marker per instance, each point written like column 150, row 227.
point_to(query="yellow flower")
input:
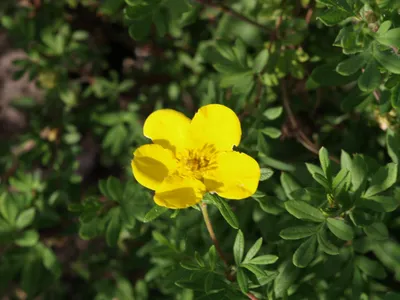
column 191, row 157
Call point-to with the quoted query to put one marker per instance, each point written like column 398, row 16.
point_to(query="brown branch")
column 310, row 12
column 274, row 35
column 210, row 229
column 231, row 12
column 251, row 296
column 377, row 95
column 300, row 135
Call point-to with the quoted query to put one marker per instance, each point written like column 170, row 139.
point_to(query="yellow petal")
column 217, row 125
column 167, row 127
column 152, row 164
column 235, row 177
column 179, row 192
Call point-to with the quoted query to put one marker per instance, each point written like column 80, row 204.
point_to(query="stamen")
column 194, row 162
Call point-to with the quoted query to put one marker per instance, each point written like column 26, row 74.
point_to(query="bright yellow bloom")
column 191, row 157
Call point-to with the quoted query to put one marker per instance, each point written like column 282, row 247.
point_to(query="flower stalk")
column 207, row 221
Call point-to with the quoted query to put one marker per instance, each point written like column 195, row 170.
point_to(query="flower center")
column 194, row 162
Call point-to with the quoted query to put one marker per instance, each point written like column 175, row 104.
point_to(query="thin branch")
column 300, row 135
column 231, row 12
column 210, row 229
column 310, row 12
column 377, row 95
column 251, row 296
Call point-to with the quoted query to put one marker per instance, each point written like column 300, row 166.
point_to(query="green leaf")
column 358, row 172
column 305, row 253
column 304, row 211
column 31, row 275
column 226, row 211
column 345, row 160
column 177, row 8
column 339, row 228
column 208, row 283
column 238, row 247
column 322, row 181
column 233, row 70
column 381, row 203
column 325, row 244
column 8, row 208
column 383, row 179
column 393, row 145
column 80, row 35
column 115, row 139
column 199, row 259
column 388, row 60
column 190, row 265
column 225, row 49
column 114, row 188
column 253, row 250
column 377, row 231
column 288, row 274
column 108, row 119
column 340, row 179
column 326, row 75
column 212, row 256
column 90, row 229
column 264, row 260
column 299, row 232
column 333, row 16
column 395, row 97
column 140, row 29
column 113, row 227
column 242, row 280
column 351, row 65
column 370, row 267
column 266, row 174
column 325, row 162
column 154, row 213
column 25, row 218
column 314, row 169
column 342, row 5
column 141, row 10
column 370, row 78
column 272, row 132
column 270, row 204
column 28, row 238
column 103, row 188
column 263, row 277
column 260, row 61
column 161, row 22
column 384, row 27
column 273, row 113
column 289, row 184
column 390, row 38
column 240, row 52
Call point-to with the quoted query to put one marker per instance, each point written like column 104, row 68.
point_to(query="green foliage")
column 324, row 221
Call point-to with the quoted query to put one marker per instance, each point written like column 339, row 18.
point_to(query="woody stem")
column 210, row 230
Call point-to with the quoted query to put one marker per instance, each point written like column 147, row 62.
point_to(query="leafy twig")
column 231, row 12
column 214, row 239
